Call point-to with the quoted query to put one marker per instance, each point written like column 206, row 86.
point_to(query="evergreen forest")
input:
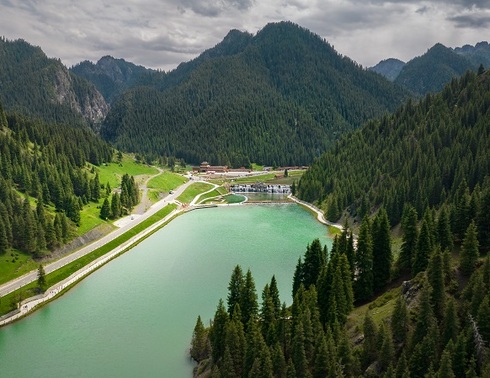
column 432, row 153
column 437, row 281
column 35, row 85
column 44, row 182
column 280, row 97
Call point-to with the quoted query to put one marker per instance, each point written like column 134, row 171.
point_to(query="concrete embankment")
column 30, row 304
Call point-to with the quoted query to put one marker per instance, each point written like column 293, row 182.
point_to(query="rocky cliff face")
column 82, row 97
column 34, row 84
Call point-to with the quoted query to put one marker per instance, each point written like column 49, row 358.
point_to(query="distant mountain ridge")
column 113, row 76
column 31, row 83
column 389, row 68
column 478, row 54
column 429, row 72
column 281, row 96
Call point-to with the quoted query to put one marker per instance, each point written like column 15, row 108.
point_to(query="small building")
column 205, row 167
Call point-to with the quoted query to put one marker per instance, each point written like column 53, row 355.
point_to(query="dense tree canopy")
column 431, row 153
column 280, row 97
column 44, row 162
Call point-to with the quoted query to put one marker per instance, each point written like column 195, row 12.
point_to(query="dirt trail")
column 145, row 201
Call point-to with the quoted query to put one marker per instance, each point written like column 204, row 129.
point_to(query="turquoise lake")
column 134, row 317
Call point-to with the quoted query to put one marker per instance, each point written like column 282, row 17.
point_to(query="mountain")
column 113, row 76
column 429, row 154
column 430, row 72
column 32, row 83
column 389, row 68
column 478, row 54
column 280, row 97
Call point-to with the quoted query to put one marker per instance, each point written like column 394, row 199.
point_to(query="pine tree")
column 217, row 332
column 382, row 256
column 321, row 366
column 425, row 316
column 199, row 344
column 364, row 262
column 29, row 229
column 4, row 245
column 298, row 276
column 278, row 362
column 444, row 236
column 235, row 288
column 235, row 341
column 248, row 299
column 387, row 351
column 435, row 276
column 450, row 325
column 95, row 188
column 105, row 211
column 409, row 239
column 274, row 294
column 268, row 317
column 314, row 261
column 445, row 369
column 298, row 351
column 115, row 206
column 423, row 354
column 400, row 320
column 227, row 366
column 41, row 278
column 424, row 249
column 483, row 219
column 469, row 250
column 402, row 367
column 369, row 347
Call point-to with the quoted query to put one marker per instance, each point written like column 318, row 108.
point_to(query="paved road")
column 127, row 223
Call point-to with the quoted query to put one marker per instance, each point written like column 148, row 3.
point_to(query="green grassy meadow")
column 193, row 190
column 166, row 181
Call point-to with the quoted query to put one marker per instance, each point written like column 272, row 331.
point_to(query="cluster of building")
column 205, row 167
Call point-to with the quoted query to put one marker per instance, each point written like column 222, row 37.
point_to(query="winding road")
column 125, row 224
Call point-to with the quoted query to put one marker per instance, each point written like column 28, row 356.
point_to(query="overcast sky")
column 163, row 33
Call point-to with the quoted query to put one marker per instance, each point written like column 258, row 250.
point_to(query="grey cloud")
column 213, row 8
column 472, row 21
column 466, row 4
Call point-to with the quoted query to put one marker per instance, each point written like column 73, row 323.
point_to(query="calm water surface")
column 135, row 316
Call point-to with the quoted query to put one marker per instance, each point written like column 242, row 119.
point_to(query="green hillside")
column 360, row 309
column 430, row 72
column 43, row 183
column 33, row 84
column 427, row 154
column 279, row 97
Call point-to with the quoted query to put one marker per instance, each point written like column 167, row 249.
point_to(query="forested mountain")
column 478, row 54
column 389, row 68
column 429, row 159
column 43, row 185
column 430, row 153
column 279, row 97
column 430, row 72
column 113, row 76
column 31, row 83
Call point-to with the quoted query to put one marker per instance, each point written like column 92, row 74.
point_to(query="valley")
column 110, row 159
